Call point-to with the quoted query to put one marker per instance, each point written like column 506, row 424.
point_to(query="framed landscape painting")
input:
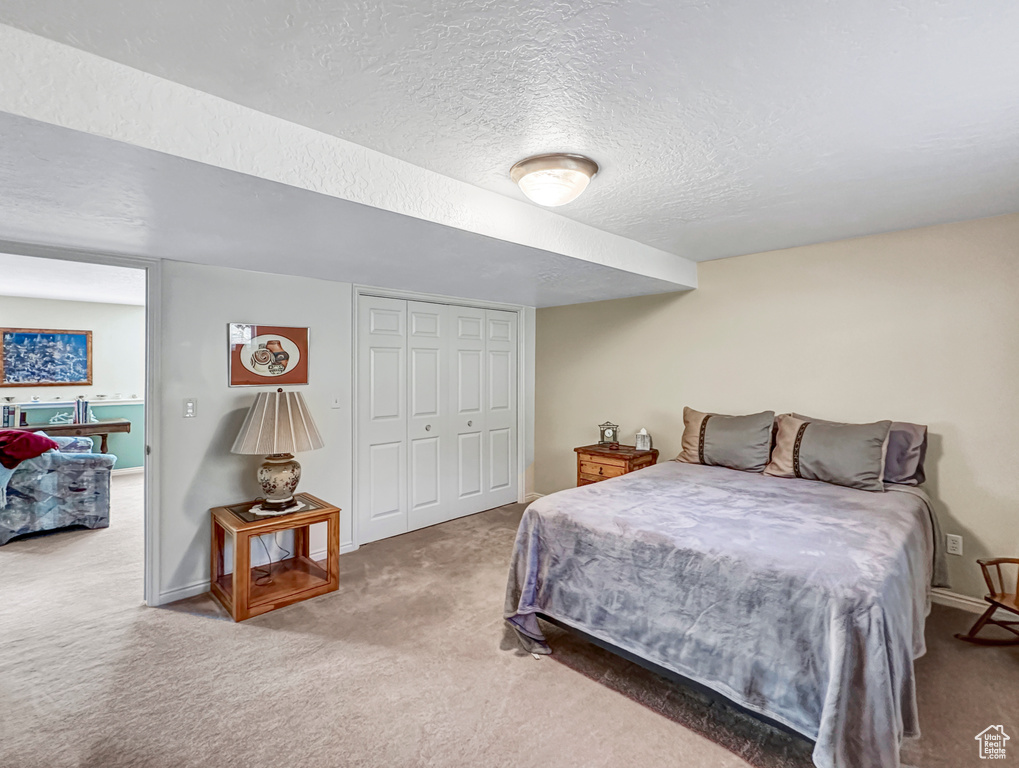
column 265, row 355
column 33, row 357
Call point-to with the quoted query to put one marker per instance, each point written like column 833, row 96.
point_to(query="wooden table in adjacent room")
column 249, row 591
column 101, row 429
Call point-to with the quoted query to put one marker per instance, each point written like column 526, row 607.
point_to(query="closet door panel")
column 469, row 467
column 470, row 374
column 467, row 395
column 500, row 461
column 385, row 462
column 428, row 427
column 501, row 407
column 382, row 418
column 385, row 369
column 425, row 474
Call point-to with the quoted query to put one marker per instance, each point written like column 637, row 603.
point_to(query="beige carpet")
column 407, row 665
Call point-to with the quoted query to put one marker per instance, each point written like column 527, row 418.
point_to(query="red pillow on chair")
column 16, row 445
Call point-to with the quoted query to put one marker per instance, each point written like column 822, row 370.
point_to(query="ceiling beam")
column 61, row 85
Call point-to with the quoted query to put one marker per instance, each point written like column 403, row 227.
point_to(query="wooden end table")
column 292, row 580
column 599, row 462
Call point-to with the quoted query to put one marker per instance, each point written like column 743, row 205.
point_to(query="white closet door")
column 382, row 418
column 467, row 406
column 500, row 444
column 429, row 444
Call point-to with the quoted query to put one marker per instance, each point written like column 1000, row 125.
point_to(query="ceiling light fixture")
column 554, row 179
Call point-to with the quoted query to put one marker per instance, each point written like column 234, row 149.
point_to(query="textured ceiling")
column 722, row 126
column 72, row 190
column 70, row 281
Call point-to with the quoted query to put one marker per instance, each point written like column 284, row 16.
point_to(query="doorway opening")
column 73, row 369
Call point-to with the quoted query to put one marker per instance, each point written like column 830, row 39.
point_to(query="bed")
column 801, row 601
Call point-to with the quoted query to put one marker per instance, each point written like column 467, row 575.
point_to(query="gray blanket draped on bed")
column 799, row 600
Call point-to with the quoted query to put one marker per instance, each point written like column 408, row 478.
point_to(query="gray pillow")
column 852, row 455
column 907, row 450
column 737, row 442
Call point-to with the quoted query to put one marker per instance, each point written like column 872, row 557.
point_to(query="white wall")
column 118, row 343
column 914, row 326
column 197, row 470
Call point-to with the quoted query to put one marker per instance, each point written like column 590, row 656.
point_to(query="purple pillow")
column 905, row 454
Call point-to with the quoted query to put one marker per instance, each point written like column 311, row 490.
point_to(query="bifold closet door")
column 483, row 373
column 467, row 406
column 500, row 475
column 382, row 418
column 437, row 413
column 429, row 447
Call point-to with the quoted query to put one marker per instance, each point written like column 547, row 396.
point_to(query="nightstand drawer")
column 598, row 471
column 601, row 458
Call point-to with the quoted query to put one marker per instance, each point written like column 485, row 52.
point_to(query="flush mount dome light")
column 554, row 179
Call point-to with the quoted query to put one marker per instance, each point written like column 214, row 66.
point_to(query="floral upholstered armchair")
column 60, row 488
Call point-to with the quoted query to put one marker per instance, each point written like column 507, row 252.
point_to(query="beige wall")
column 921, row 326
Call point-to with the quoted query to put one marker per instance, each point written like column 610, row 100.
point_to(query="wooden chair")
column 999, row 599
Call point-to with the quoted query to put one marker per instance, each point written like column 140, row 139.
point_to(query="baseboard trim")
column 321, row 554
column 201, row 587
column 529, row 497
column 182, row 593
column 955, row 600
column 128, row 471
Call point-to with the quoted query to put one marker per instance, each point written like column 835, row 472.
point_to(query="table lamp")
column 277, row 426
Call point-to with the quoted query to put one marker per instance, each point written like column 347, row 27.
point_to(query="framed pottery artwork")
column 34, row 357
column 263, row 355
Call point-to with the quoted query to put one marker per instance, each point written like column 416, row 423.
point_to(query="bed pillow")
column 737, row 442
column 852, row 455
column 906, row 452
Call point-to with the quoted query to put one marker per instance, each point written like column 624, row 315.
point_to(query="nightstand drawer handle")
column 428, row 427
column 601, row 470
column 470, row 423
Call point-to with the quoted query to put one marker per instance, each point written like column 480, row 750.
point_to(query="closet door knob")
column 470, row 423
column 428, row 427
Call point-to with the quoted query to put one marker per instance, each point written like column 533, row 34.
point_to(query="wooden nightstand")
column 291, row 580
column 599, row 462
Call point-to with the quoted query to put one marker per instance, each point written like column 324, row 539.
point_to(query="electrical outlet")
column 954, row 544
column 190, row 408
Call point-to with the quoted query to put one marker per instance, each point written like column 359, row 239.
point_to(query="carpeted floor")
column 408, row 664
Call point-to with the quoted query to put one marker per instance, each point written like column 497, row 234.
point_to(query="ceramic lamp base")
column 278, row 475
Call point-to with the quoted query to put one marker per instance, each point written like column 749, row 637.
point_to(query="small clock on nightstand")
column 609, row 433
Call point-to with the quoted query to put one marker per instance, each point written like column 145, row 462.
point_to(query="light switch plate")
column 190, row 407
column 337, row 402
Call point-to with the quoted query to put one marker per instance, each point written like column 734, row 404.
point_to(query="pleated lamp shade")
column 278, row 422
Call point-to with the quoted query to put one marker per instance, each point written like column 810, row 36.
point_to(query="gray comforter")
column 799, row 600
